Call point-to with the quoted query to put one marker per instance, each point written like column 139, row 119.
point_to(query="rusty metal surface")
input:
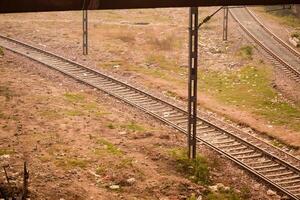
column 11, row 6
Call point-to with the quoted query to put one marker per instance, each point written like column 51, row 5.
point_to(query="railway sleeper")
column 278, row 175
column 229, row 145
column 266, row 166
column 242, row 152
column 225, row 142
column 261, row 163
column 271, row 170
column 286, row 178
column 289, row 182
column 236, row 149
column 251, row 156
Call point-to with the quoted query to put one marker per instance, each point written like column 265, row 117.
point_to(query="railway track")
column 280, row 53
column 249, row 153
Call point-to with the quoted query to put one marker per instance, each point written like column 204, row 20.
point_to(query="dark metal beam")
column 192, row 85
column 11, row 6
column 85, row 32
column 225, row 23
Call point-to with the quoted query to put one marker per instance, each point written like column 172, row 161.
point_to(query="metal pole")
column 192, row 87
column 85, row 32
column 225, row 23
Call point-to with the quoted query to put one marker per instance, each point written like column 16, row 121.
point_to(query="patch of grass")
column 74, row 97
column 69, row 163
column 133, row 126
column 1, row 51
column 246, row 52
column 251, row 89
column 277, row 143
column 296, row 35
column 2, row 115
column 108, row 147
column 6, row 92
column 165, row 44
column 171, row 94
column 51, row 114
column 197, row 170
column 127, row 38
column 74, row 113
column 284, row 16
column 111, row 126
column 223, row 195
column 6, row 152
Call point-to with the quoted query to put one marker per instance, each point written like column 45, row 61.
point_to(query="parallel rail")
column 282, row 54
column 247, row 153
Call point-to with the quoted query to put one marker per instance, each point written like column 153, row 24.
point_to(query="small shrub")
column 132, row 126
column 246, row 52
column 197, row 170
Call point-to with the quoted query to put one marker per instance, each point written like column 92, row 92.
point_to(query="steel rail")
column 128, row 94
column 276, row 57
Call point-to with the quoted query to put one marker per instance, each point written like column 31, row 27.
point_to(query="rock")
column 131, row 181
column 114, row 187
column 271, row 193
column 122, row 133
column 199, row 198
column 213, row 188
column 256, row 187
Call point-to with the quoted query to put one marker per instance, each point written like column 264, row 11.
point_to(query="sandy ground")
column 78, row 142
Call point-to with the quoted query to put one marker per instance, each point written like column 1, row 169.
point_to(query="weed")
column 1, row 51
column 134, row 127
column 246, row 52
column 127, row 38
column 6, row 92
column 111, row 126
column 296, row 35
column 197, row 170
column 223, row 195
column 6, row 152
column 277, row 143
column 165, row 44
column 69, row 163
column 109, row 147
column 51, row 114
column 74, row 113
column 74, row 98
column 2, row 115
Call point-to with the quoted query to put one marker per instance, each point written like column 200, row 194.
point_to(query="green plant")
column 6, row 92
column 6, row 152
column 68, row 163
column 109, row 147
column 223, row 195
column 197, row 170
column 1, row 51
column 74, row 98
column 133, row 126
column 246, row 52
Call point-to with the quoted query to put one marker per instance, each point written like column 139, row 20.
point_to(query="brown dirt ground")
column 61, row 137
column 125, row 43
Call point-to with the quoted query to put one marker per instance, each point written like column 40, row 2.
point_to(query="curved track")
column 248, row 153
column 283, row 55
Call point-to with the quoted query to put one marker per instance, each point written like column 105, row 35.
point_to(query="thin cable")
column 206, row 19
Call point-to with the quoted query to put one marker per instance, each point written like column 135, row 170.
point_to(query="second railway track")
column 247, row 153
column 280, row 53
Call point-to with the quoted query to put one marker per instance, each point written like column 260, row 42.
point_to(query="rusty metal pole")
column 192, row 85
column 225, row 23
column 85, row 31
